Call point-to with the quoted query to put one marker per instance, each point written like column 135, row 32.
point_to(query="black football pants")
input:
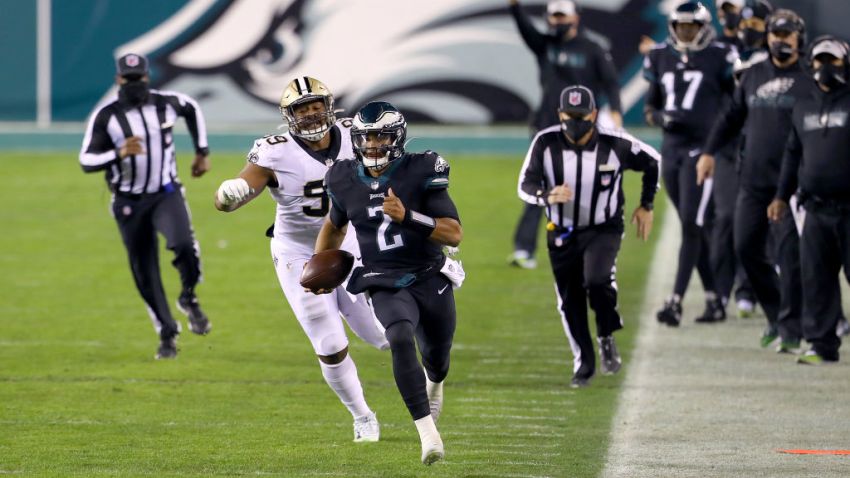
column 779, row 294
column 422, row 314
column 583, row 266
column 724, row 264
column 695, row 211
column 140, row 218
column 824, row 249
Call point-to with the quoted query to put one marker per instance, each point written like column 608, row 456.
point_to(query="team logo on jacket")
column 775, row 87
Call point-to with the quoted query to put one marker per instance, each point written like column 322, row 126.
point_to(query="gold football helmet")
column 299, row 91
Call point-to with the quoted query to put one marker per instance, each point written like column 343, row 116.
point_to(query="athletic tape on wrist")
column 419, row 222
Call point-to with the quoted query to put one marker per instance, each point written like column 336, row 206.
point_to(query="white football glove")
column 233, row 191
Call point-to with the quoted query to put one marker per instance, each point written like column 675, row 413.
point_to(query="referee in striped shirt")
column 129, row 137
column 575, row 170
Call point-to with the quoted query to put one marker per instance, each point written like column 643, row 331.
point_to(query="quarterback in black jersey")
column 690, row 77
column 400, row 208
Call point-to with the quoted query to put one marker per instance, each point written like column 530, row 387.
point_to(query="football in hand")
column 326, row 270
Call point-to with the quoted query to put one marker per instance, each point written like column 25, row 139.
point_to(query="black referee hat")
column 132, row 64
column 577, row 99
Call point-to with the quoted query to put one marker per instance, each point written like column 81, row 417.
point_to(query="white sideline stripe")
column 631, row 399
column 515, row 417
column 508, row 445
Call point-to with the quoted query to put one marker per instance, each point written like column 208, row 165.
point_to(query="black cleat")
column 609, row 357
column 167, row 349
column 198, row 321
column 671, row 313
column 582, row 377
column 714, row 312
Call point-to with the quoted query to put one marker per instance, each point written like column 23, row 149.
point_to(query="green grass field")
column 81, row 395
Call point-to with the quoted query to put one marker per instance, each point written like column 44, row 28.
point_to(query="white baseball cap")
column 830, row 47
column 563, row 7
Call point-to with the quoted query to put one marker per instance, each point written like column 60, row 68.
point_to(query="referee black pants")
column 780, row 294
column 140, row 218
column 583, row 265
column 824, row 249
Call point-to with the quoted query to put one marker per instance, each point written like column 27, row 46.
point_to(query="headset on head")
column 791, row 15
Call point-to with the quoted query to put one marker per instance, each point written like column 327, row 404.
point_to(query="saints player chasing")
column 400, row 207
column 293, row 167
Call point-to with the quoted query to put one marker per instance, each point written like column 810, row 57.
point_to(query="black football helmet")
column 384, row 120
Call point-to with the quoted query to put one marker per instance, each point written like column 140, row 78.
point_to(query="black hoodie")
column 817, row 155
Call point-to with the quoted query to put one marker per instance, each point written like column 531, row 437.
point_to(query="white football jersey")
column 302, row 202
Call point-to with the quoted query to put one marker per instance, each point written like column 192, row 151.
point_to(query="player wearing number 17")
column 690, row 78
column 400, row 207
column 293, row 167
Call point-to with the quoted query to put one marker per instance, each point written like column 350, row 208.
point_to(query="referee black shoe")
column 198, row 322
column 714, row 312
column 582, row 377
column 167, row 349
column 671, row 313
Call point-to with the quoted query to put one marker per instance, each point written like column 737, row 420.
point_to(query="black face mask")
column 134, row 92
column 751, row 38
column 560, row 30
column 781, row 51
column 730, row 21
column 575, row 129
column 831, row 76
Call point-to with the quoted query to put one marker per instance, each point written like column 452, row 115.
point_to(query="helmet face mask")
column 693, row 13
column 378, row 133
column 304, row 118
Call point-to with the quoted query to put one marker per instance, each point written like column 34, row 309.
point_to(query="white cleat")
column 433, row 451
column 367, row 429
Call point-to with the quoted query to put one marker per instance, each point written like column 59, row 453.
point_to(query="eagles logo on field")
column 434, row 60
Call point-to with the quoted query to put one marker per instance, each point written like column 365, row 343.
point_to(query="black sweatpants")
column 695, row 209
column 724, row 264
column 424, row 311
column 824, row 249
column 583, row 266
column 779, row 294
column 140, row 218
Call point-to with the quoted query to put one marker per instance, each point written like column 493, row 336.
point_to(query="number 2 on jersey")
column 692, row 78
column 385, row 244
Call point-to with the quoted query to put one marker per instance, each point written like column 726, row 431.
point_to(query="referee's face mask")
column 577, row 127
column 133, row 89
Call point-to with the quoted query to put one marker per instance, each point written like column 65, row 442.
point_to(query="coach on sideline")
column 129, row 137
column 817, row 160
column 575, row 171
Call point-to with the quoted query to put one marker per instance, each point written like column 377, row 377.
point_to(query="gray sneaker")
column 609, row 357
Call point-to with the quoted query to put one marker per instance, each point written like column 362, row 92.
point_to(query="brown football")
column 327, row 269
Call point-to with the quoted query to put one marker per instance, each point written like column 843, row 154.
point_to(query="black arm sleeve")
column 610, row 81
column 535, row 40
column 790, row 166
column 437, row 203
column 729, row 123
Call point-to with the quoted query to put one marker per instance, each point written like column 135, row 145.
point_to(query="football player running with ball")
column 400, row 208
column 293, row 167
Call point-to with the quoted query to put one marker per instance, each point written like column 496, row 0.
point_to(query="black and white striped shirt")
column 113, row 122
column 593, row 172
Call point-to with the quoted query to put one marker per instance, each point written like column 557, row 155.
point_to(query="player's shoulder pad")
column 340, row 171
column 269, row 149
column 434, row 168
